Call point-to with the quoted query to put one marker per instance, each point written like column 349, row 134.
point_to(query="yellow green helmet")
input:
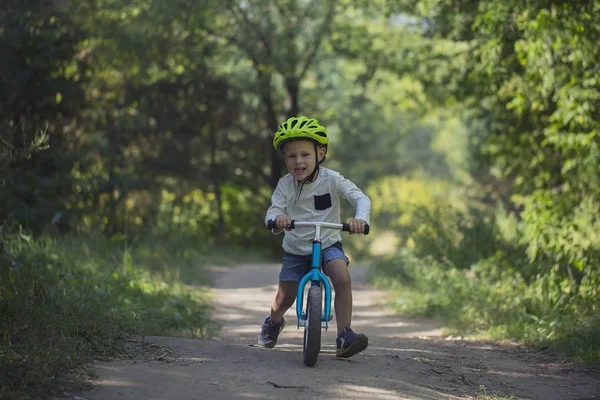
column 300, row 128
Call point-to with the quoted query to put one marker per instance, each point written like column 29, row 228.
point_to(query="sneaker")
column 269, row 333
column 349, row 343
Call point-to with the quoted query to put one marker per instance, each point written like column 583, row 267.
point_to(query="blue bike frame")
column 315, row 275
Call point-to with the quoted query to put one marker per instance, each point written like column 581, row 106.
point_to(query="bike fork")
column 316, row 277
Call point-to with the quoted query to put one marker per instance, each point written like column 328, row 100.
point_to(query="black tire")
column 312, row 328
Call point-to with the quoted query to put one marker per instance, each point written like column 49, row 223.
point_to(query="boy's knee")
column 342, row 282
column 287, row 290
column 340, row 277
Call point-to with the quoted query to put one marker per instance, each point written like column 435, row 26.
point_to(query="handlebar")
column 297, row 224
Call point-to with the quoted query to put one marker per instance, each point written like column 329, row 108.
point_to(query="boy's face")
column 300, row 158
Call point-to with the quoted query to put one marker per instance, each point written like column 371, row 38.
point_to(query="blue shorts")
column 295, row 267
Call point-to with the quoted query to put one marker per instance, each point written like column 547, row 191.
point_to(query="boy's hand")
column 357, row 225
column 283, row 221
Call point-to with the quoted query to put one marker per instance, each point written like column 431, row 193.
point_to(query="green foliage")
column 533, row 74
column 472, row 124
column 65, row 302
column 483, row 395
column 552, row 95
column 479, row 283
column 14, row 149
column 31, row 143
column 39, row 101
column 528, row 74
column 195, row 215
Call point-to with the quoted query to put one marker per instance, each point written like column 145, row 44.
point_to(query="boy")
column 311, row 193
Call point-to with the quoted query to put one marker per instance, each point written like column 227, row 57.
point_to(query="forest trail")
column 406, row 358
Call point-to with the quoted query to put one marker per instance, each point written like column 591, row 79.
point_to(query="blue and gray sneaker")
column 269, row 333
column 349, row 343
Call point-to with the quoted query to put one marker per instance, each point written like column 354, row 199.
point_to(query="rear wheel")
column 312, row 327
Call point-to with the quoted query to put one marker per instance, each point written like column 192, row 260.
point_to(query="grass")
column 581, row 338
column 67, row 301
column 482, row 395
column 498, row 305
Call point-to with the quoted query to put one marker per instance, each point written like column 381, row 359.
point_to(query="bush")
column 477, row 282
column 64, row 302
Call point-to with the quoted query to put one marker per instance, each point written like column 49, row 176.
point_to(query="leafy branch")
column 10, row 154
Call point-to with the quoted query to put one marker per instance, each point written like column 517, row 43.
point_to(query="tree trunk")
column 215, row 174
column 221, row 228
column 293, row 87
column 277, row 166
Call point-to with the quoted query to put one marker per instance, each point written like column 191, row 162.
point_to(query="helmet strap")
column 311, row 177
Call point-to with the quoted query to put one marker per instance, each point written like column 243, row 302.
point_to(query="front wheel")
column 312, row 326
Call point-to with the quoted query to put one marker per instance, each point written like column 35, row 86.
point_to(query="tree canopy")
column 159, row 115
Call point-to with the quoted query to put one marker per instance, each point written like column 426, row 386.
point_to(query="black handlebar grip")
column 273, row 225
column 346, row 228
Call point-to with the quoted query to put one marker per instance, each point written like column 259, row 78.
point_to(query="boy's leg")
column 335, row 265
column 293, row 268
column 285, row 298
column 337, row 270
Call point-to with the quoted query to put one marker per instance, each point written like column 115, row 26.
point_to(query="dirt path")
column 405, row 359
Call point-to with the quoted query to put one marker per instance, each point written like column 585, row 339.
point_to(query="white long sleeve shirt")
column 318, row 201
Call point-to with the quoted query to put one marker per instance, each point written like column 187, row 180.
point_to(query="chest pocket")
column 322, row 202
